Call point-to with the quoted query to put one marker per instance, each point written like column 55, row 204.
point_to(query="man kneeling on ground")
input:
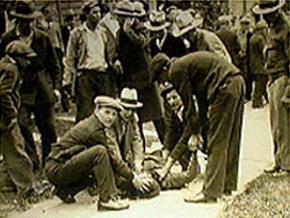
column 131, row 146
column 86, row 155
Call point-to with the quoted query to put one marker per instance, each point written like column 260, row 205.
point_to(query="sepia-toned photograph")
column 144, row 108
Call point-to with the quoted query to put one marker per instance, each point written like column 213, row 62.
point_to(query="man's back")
column 231, row 41
column 205, row 72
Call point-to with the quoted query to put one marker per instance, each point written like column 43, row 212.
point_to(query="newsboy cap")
column 106, row 101
column 19, row 48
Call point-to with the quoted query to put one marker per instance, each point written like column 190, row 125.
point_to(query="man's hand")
column 12, row 123
column 165, row 154
column 118, row 67
column 128, row 24
column 142, row 182
column 57, row 94
column 195, row 142
column 161, row 173
column 286, row 96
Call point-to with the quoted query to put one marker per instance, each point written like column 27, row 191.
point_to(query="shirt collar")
column 11, row 59
column 160, row 42
column 179, row 113
column 86, row 28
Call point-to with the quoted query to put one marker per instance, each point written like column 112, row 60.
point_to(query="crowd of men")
column 128, row 66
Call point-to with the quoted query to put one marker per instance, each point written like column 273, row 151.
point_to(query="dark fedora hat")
column 268, row 6
column 24, row 10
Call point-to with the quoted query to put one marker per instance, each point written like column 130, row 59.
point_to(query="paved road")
column 255, row 155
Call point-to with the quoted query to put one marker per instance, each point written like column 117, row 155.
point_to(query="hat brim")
column 127, row 105
column 258, row 10
column 179, row 32
column 140, row 14
column 24, row 16
column 156, row 28
column 124, row 13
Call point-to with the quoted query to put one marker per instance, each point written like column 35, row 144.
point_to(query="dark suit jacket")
column 135, row 59
column 200, row 74
column 130, row 140
column 9, row 89
column 87, row 133
column 231, row 41
column 172, row 47
column 174, row 129
column 44, row 75
column 257, row 63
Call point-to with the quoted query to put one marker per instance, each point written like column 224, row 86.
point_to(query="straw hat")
column 139, row 10
column 157, row 21
column 124, row 8
column 129, row 99
column 268, row 6
column 185, row 22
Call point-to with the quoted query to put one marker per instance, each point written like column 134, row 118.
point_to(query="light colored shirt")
column 95, row 56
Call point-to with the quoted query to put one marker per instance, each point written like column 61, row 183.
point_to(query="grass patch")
column 268, row 196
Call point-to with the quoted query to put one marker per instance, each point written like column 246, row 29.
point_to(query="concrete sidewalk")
column 256, row 153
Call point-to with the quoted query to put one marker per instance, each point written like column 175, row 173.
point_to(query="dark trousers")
column 18, row 164
column 45, row 121
column 74, row 174
column 224, row 135
column 89, row 85
column 260, row 89
column 160, row 128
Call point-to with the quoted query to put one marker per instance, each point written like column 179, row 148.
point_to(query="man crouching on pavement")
column 81, row 158
column 87, row 155
column 131, row 147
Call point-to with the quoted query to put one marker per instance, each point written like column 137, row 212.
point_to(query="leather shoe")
column 113, row 204
column 227, row 192
column 275, row 169
column 64, row 196
column 200, row 198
